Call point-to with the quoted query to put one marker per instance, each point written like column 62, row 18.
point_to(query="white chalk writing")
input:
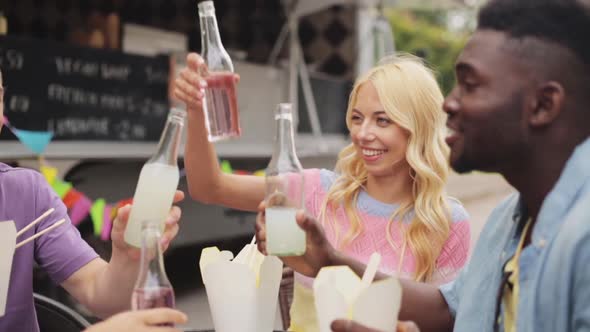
column 11, row 59
column 78, row 126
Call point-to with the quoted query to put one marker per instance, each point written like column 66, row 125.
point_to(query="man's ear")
column 549, row 103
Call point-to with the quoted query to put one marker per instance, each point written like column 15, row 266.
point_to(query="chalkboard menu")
column 83, row 93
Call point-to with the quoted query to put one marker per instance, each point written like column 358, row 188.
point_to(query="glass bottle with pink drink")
column 220, row 103
column 152, row 288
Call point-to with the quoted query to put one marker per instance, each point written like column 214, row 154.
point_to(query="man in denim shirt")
column 520, row 108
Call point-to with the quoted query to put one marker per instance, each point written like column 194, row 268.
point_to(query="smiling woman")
column 398, row 156
column 387, row 192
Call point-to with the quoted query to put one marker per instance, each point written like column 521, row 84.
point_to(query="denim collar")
column 520, row 210
column 563, row 195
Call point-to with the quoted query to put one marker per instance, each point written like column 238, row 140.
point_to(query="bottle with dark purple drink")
column 152, row 288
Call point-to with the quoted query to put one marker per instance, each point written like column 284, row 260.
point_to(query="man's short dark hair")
column 565, row 22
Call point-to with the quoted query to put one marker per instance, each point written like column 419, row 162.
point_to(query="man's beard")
column 463, row 165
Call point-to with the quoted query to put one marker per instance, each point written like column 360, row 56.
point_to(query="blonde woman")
column 387, row 192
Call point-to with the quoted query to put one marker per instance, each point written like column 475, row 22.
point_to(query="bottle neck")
column 169, row 145
column 285, row 145
column 151, row 270
column 210, row 39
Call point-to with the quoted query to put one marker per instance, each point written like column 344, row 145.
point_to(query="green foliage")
column 422, row 34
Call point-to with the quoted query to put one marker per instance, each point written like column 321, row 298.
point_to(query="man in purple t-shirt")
column 104, row 288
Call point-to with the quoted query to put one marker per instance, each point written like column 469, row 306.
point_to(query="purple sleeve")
column 61, row 251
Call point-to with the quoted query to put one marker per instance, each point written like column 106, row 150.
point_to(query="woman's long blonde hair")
column 411, row 97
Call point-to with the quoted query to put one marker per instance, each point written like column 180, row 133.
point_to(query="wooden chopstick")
column 251, row 252
column 41, row 217
column 57, row 224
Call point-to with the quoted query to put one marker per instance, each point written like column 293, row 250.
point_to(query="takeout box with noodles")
column 243, row 291
column 340, row 294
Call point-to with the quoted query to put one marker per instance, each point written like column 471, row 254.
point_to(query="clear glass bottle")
column 284, row 191
column 158, row 180
column 152, row 288
column 220, row 106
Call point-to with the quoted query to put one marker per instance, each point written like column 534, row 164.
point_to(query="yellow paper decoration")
column 260, row 172
column 50, row 173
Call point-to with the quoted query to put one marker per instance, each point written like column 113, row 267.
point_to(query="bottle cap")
column 206, row 8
